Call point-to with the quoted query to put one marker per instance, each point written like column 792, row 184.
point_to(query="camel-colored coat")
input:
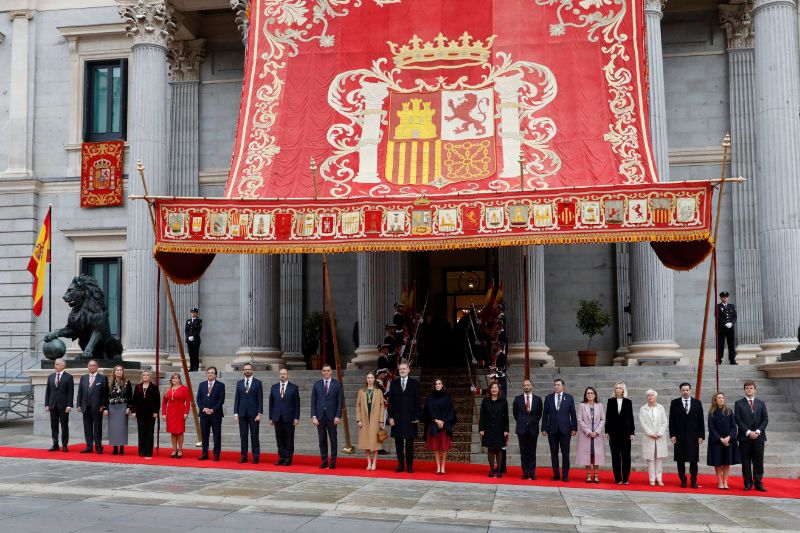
column 368, row 432
column 654, row 422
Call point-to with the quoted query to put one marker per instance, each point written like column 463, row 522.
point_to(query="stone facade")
column 185, row 126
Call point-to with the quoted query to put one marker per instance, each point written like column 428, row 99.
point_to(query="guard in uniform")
column 726, row 328
column 192, row 332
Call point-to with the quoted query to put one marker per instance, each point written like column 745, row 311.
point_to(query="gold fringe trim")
column 429, row 245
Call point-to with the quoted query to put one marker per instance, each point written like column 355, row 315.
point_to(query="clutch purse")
column 382, row 435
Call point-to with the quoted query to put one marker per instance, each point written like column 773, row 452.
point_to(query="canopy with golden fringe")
column 440, row 125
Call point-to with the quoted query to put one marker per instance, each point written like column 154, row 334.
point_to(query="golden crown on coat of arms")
column 441, row 52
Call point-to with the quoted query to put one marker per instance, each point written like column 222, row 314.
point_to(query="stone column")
column 184, row 59
column 241, row 7
column 777, row 83
column 398, row 277
column 19, row 161
column 373, row 276
column 259, row 303
column 622, row 264
column 150, row 26
column 652, row 284
column 510, row 264
column 738, row 24
column 291, row 316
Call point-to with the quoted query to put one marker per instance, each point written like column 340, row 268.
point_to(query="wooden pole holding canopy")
column 526, row 327
column 726, row 145
column 151, row 210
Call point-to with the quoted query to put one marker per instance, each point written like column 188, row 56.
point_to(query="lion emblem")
column 88, row 320
column 463, row 111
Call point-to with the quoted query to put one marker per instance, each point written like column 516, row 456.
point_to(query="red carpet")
column 354, row 466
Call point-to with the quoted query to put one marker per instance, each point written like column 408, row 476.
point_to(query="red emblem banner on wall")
column 378, row 124
column 101, row 174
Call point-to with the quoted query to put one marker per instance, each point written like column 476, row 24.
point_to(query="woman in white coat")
column 654, row 422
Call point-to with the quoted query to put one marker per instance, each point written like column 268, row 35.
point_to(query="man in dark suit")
column 284, row 414
column 92, row 401
column 192, row 333
column 559, row 425
column 404, row 413
column 210, row 398
column 58, row 395
column 726, row 328
column 527, row 409
column 248, row 409
column 751, row 423
column 326, row 413
column 687, row 430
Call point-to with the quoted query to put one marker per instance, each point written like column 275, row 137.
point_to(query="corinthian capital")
column 242, row 9
column 737, row 21
column 184, row 58
column 148, row 21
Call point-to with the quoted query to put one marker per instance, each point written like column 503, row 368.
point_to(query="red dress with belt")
column 175, row 405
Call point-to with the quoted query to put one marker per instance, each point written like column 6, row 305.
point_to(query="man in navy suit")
column 284, row 414
column 210, row 397
column 58, row 397
column 248, row 409
column 92, row 401
column 404, row 414
column 326, row 413
column 559, row 425
column 751, row 423
column 527, row 409
column 687, row 430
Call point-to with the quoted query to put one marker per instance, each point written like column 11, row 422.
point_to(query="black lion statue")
column 88, row 320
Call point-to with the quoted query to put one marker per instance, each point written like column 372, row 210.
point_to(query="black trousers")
column 527, row 452
column 144, row 427
column 194, row 355
column 559, row 441
column 692, row 470
column 620, row 446
column 93, row 428
column 209, row 423
column 326, row 430
column 284, row 438
column 60, row 417
column 729, row 336
column 405, row 451
column 248, row 424
column 752, row 460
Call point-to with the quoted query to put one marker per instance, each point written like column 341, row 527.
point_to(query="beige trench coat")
column 368, row 432
column 654, row 421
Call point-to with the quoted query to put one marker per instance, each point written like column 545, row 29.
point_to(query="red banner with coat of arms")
column 517, row 121
column 101, row 173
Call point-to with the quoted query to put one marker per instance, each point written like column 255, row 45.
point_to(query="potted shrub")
column 591, row 321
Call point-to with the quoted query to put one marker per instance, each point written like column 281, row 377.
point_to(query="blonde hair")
column 175, row 375
column 624, row 389
column 725, row 410
column 365, row 386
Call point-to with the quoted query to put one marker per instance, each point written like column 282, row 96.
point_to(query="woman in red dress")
column 439, row 416
column 174, row 410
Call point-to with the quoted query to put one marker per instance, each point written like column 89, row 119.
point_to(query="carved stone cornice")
column 654, row 7
column 148, row 21
column 184, row 58
column 737, row 21
column 242, row 9
column 20, row 13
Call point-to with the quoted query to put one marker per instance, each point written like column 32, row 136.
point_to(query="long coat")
column 583, row 454
column 404, row 408
column 720, row 426
column 654, row 422
column 494, row 422
column 371, row 421
column 687, row 428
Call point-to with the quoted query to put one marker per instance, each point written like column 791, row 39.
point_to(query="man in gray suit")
column 92, row 401
column 58, row 396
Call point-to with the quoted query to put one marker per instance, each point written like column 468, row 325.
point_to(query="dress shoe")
column 86, row 450
column 734, row 363
column 332, row 465
column 683, row 484
column 760, row 488
column 216, row 457
column 279, row 462
column 203, row 457
column 114, row 452
column 409, row 470
column 399, row 468
column 555, row 478
column 383, row 452
column 565, row 479
column 491, row 472
column 499, row 474
column 242, row 459
column 255, row 460
column 533, row 477
column 695, row 485
column 287, row 462
column 99, row 451
column 747, row 487
column 65, row 449
column 53, row 448
column 324, row 464
column 524, row 475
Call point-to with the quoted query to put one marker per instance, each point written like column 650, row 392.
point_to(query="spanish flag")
column 38, row 264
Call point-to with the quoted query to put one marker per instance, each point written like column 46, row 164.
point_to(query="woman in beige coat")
column 654, row 422
column 369, row 417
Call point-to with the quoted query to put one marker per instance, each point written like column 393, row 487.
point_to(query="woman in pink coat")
column 591, row 429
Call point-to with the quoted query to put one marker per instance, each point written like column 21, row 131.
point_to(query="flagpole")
column 50, row 272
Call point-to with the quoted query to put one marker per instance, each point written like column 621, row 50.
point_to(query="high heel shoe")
column 596, row 478
column 660, row 483
column 173, row 454
column 588, row 478
column 180, row 454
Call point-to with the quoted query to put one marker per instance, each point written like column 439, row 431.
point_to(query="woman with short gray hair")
column 654, row 421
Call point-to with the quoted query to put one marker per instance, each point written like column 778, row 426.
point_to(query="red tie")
column 752, row 406
column 528, row 403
